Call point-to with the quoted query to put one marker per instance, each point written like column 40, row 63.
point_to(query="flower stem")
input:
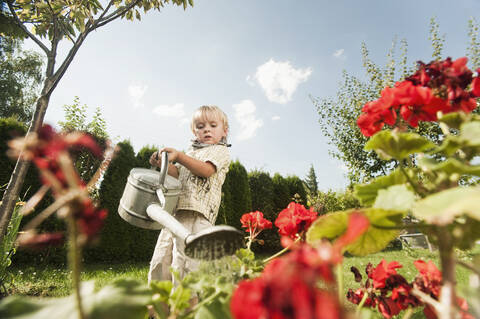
column 281, row 252
column 74, row 252
column 340, row 282
column 203, row 302
column 360, row 305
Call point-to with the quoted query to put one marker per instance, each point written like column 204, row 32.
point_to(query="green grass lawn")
column 38, row 280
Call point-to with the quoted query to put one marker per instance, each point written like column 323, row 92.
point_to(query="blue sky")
column 258, row 60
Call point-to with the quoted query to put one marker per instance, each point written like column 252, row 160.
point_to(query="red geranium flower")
column 383, row 270
column 288, row 288
column 254, row 224
column 254, row 221
column 295, row 219
column 437, row 86
column 476, row 85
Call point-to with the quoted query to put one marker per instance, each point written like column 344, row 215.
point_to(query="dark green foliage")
column 143, row 156
column 226, row 215
column 311, row 181
column 236, row 196
column 262, row 189
column 296, row 189
column 20, row 76
column 281, row 193
column 120, row 241
column 9, row 128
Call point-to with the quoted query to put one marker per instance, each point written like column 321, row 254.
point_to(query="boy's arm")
column 172, row 170
column 199, row 168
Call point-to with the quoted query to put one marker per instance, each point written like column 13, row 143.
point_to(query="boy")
column 201, row 171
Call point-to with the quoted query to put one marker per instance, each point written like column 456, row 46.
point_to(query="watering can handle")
column 163, row 169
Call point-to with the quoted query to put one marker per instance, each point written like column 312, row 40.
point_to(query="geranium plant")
column 436, row 184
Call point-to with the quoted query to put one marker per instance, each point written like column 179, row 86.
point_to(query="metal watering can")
column 150, row 197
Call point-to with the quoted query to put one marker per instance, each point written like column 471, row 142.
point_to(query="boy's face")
column 209, row 131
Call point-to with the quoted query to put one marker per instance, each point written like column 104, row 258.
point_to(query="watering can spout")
column 158, row 214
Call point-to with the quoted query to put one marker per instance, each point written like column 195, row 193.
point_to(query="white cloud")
column 246, row 117
column 275, row 118
column 279, row 80
column 175, row 110
column 339, row 54
column 136, row 93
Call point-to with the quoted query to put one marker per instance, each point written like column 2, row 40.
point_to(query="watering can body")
column 144, row 188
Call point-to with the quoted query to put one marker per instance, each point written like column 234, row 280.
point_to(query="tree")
column 296, row 189
column 143, row 156
column 20, row 77
column 237, row 198
column 338, row 116
column 53, row 21
column 311, row 181
column 76, row 120
column 262, row 190
column 281, row 197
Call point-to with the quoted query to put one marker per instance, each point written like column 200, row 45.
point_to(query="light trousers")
column 170, row 250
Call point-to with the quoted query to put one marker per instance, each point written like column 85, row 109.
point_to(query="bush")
column 120, row 241
column 331, row 201
column 236, row 196
column 262, row 189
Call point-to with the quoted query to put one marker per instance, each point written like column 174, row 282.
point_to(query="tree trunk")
column 19, row 172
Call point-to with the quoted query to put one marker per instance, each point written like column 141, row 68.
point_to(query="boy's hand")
column 155, row 159
column 172, row 153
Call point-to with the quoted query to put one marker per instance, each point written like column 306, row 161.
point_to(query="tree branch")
column 94, row 24
column 58, row 22
column 69, row 58
column 114, row 15
column 22, row 26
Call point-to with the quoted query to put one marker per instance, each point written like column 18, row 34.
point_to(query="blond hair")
column 209, row 112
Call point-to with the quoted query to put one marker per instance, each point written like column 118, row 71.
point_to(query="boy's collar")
column 196, row 144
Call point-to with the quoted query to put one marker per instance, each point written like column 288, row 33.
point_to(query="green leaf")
column 453, row 120
column 441, row 208
column 163, row 288
column 122, row 299
column 450, row 166
column 398, row 145
column 328, row 226
column 245, row 255
column 180, row 298
column 396, row 197
column 470, row 133
column 449, row 145
column 367, row 193
column 376, row 238
column 333, row 225
column 213, row 310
